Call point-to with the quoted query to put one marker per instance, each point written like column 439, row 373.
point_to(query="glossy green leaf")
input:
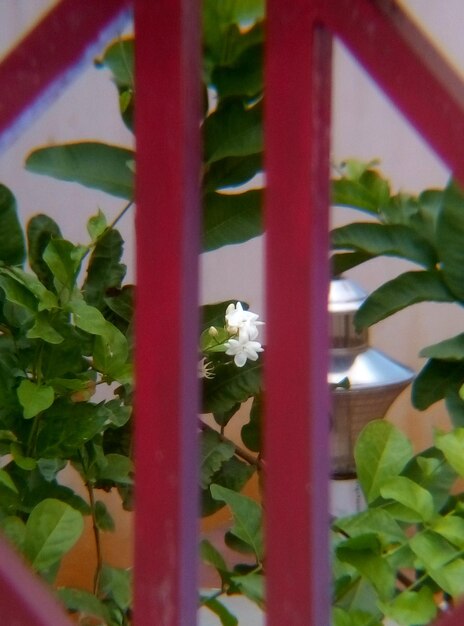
column 96, row 165
column 450, row 577
column 103, row 517
column 409, row 494
column 231, row 218
column 435, row 380
column 17, row 293
column 377, row 521
column 451, row 527
column 117, row 468
column 116, row 583
column 43, row 329
column 231, row 172
column 213, row 453
column 40, row 229
column 247, row 516
column 233, row 131
column 252, row 586
column 450, row 235
column 378, row 239
column 411, row 608
column 233, row 474
column 96, row 226
column 430, row 470
column 34, row 398
column 64, row 261
column 12, row 245
column 363, row 553
column 80, row 601
column 340, row 617
column 119, row 58
column 452, row 446
column 89, row 318
column 344, row 261
column 105, row 271
column 403, row 291
column 46, row 300
column 450, row 349
column 368, row 193
column 381, row 452
column 52, row 529
column 242, row 78
column 251, row 431
column 230, row 385
column 223, row 614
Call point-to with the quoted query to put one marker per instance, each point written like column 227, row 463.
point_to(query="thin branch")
column 238, row 450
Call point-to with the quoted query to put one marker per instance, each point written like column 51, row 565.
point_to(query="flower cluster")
column 244, row 326
column 236, row 338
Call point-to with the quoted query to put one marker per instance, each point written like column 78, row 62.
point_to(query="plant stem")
column 239, row 451
column 96, row 534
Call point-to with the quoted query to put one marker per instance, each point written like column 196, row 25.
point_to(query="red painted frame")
column 297, row 124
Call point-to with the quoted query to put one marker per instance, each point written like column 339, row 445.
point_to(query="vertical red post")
column 297, row 201
column 167, row 226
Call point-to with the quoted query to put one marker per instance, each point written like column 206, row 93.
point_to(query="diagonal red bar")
column 407, row 67
column 297, row 202
column 24, row 599
column 167, row 226
column 65, row 36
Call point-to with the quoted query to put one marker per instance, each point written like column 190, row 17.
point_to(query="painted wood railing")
column 297, row 126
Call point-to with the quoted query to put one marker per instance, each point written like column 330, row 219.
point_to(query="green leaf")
column 450, row 577
column 89, row 318
column 43, row 329
column 104, row 272
column 26, row 463
column 96, row 226
column 52, row 530
column 411, row 607
column 247, row 516
column 380, row 239
column 452, row 528
column 377, row 521
column 34, row 398
column 119, row 58
column 369, row 193
column 213, row 453
column 449, row 237
column 121, row 302
column 117, row 468
column 231, row 218
column 12, row 248
column 450, row 349
column 251, row 431
column 430, row 470
column 40, row 229
column 17, row 293
column 452, row 446
column 230, row 385
column 232, row 171
column 404, row 290
column 381, row 452
column 215, row 606
column 435, row 380
column 342, row 262
column 103, row 517
column 46, row 299
column 80, row 601
column 116, row 583
column 340, row 617
column 233, row 474
column 64, row 261
column 252, row 586
column 363, row 553
column 14, row 530
column 244, row 77
column 409, row 494
column 232, row 131
column 6, row 481
column 96, row 165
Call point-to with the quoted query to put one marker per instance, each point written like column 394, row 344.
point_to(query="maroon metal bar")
column 408, row 67
column 39, row 66
column 167, row 226
column 24, row 599
column 296, row 425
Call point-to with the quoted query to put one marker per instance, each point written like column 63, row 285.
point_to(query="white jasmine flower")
column 242, row 349
column 205, row 369
column 241, row 322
